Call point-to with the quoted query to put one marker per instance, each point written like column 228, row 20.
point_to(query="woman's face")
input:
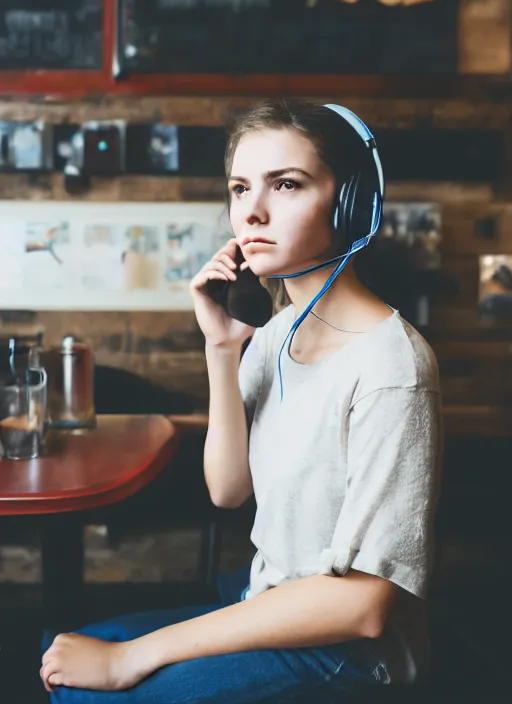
column 281, row 201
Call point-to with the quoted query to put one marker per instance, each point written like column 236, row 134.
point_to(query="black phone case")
column 245, row 299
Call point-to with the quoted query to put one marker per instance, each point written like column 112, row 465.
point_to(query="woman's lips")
column 255, row 240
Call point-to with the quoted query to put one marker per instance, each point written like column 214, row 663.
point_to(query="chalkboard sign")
column 51, row 34
column 287, row 37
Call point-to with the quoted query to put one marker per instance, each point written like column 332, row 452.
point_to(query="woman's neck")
column 302, row 289
column 347, row 304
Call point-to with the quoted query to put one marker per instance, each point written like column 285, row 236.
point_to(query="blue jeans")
column 335, row 673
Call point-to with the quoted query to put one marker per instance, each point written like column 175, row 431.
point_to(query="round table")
column 81, row 470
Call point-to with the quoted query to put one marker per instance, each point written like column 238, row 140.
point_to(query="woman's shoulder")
column 396, row 355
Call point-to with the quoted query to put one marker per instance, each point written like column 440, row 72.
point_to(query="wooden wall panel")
column 392, row 111
column 484, row 36
column 460, row 226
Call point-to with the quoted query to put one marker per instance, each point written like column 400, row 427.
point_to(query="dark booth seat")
column 121, row 392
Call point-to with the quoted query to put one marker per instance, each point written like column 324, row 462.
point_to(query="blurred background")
column 113, row 119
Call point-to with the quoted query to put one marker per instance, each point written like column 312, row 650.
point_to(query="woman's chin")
column 262, row 265
column 264, row 272
column 267, row 271
column 266, row 265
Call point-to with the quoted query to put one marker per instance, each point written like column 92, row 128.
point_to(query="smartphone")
column 245, row 299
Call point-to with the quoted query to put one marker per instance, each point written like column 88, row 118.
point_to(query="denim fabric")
column 336, row 673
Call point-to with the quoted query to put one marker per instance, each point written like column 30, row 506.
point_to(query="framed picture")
column 495, row 290
column 105, row 256
column 418, row 226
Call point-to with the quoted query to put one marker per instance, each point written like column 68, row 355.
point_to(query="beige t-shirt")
column 345, row 468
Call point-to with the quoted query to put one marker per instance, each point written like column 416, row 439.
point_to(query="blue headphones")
column 357, row 209
column 351, row 201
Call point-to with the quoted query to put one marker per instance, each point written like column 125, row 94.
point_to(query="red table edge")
column 106, row 495
column 192, row 423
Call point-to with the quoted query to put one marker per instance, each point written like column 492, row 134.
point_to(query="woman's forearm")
column 226, row 453
column 311, row 612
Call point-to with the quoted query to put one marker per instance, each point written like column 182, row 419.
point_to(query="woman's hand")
column 74, row 660
column 218, row 328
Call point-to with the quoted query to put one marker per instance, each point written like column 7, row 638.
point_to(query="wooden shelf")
column 477, row 421
column 79, row 85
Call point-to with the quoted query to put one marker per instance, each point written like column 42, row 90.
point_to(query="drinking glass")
column 23, row 415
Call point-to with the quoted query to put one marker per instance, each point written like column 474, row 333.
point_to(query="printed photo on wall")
column 495, row 294
column 102, row 257
column 141, row 257
column 418, row 226
column 51, row 260
column 105, row 256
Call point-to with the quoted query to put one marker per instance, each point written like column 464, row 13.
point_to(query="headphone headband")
column 364, row 132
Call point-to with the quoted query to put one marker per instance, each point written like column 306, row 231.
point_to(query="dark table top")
column 88, row 469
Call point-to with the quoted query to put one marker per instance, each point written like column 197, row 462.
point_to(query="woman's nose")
column 257, row 211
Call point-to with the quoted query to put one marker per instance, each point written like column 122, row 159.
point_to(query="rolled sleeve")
column 386, row 522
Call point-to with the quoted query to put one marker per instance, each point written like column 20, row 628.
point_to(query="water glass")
column 23, row 415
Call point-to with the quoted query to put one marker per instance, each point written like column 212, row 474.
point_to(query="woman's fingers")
column 47, row 655
column 227, row 254
column 225, row 259
column 45, row 673
column 212, row 270
column 202, row 278
column 230, row 247
column 216, row 265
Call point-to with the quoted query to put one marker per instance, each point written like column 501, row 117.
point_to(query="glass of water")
column 23, row 415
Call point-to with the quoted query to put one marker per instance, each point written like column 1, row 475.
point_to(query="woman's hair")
column 337, row 144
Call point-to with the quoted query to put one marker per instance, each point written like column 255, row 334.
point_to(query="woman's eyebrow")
column 282, row 172
column 269, row 175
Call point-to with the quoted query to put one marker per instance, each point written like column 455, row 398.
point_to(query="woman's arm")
column 226, row 451
column 309, row 612
column 226, row 462
column 314, row 611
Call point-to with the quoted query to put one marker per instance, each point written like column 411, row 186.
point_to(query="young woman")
column 339, row 443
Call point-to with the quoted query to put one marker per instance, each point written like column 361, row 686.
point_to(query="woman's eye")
column 238, row 189
column 287, row 185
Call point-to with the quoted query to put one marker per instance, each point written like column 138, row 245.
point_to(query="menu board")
column 51, row 34
column 287, row 37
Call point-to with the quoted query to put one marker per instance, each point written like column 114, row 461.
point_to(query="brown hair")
column 336, row 143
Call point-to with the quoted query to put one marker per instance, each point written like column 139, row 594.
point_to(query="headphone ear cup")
column 338, row 210
column 362, row 207
column 346, row 209
column 353, row 216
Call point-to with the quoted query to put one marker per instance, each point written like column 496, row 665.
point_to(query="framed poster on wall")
column 105, row 256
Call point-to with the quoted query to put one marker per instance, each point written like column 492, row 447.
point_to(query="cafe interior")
column 113, row 123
